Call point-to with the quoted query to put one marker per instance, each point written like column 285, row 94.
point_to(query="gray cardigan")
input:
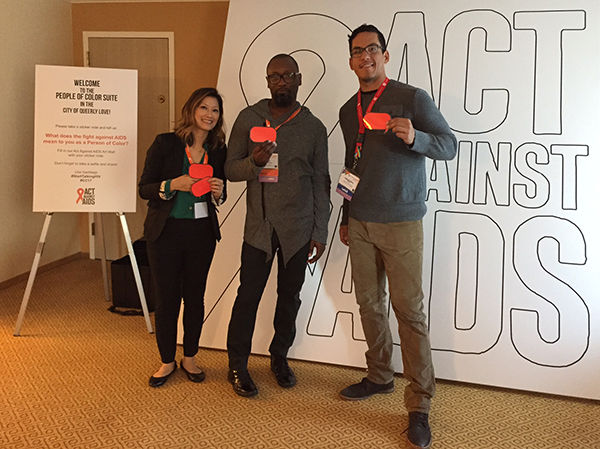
column 297, row 206
column 393, row 179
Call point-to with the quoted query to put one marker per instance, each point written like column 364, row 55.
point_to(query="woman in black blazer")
column 182, row 229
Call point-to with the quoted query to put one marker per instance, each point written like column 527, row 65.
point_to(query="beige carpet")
column 77, row 377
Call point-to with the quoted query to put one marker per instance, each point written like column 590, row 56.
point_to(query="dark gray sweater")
column 393, row 179
column 297, row 206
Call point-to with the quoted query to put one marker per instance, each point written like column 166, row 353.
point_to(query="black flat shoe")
column 155, row 382
column 242, row 382
column 194, row 377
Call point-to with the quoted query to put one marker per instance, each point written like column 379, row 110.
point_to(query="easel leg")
column 32, row 273
column 100, row 231
column 136, row 271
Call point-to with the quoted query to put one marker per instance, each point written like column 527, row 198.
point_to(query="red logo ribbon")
column 80, row 193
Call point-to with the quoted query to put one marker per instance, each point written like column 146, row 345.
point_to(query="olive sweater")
column 393, row 179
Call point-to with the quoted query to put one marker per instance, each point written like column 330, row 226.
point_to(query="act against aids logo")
column 86, row 196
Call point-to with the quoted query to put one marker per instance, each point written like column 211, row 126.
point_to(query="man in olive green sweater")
column 382, row 223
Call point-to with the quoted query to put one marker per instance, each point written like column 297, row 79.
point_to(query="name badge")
column 270, row 173
column 347, row 184
column 201, row 209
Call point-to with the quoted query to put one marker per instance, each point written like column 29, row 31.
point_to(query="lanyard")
column 361, row 125
column 189, row 156
column 268, row 123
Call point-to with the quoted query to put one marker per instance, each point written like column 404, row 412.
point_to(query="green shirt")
column 184, row 201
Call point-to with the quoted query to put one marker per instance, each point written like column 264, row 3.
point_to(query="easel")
column 134, row 266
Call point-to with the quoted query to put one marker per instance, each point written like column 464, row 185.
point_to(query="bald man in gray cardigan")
column 288, row 217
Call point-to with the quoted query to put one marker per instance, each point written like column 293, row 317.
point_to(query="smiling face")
column 207, row 114
column 370, row 69
column 283, row 94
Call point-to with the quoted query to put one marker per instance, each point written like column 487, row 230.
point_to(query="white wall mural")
column 511, row 255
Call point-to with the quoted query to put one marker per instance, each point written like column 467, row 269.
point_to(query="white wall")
column 511, row 241
column 31, row 32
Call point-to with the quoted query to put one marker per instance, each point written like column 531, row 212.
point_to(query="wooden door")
column 150, row 56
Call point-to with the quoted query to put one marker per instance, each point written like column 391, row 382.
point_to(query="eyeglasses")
column 288, row 78
column 371, row 49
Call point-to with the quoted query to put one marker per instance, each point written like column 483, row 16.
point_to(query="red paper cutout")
column 201, row 187
column 376, row 120
column 199, row 171
column 203, row 172
column 261, row 134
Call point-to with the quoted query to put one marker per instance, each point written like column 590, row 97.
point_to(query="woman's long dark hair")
column 216, row 136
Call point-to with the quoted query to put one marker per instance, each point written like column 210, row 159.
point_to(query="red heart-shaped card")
column 201, row 187
column 261, row 134
column 199, row 171
column 203, row 172
column 376, row 120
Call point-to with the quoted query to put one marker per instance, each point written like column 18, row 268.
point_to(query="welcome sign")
column 511, row 253
column 85, row 140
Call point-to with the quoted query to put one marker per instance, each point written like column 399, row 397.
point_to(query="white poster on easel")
column 85, row 140
column 85, row 152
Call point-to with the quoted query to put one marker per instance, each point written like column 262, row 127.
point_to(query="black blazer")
column 164, row 160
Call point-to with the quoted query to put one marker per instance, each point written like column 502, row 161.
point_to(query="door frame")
column 170, row 36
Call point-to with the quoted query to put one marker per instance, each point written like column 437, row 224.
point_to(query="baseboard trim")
column 42, row 268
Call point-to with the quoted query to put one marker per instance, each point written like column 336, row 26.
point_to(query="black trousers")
column 179, row 262
column 254, row 274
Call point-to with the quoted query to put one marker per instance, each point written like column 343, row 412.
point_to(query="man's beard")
column 283, row 99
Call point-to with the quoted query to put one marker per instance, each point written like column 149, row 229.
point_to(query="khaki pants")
column 395, row 249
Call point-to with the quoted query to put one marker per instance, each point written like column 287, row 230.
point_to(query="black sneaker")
column 418, row 433
column 283, row 373
column 365, row 389
column 242, row 382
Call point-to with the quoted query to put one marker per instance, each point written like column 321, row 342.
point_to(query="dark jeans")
column 179, row 262
column 254, row 274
